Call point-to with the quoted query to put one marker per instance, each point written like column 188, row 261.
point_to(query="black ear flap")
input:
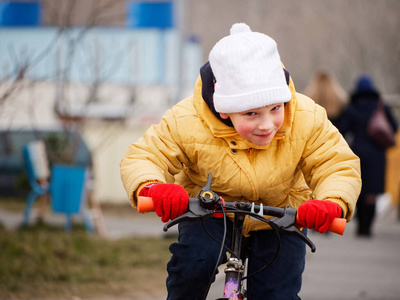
column 287, row 76
column 208, row 80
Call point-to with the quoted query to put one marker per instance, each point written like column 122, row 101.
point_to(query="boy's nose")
column 265, row 124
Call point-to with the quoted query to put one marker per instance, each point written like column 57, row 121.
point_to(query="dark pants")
column 366, row 206
column 195, row 255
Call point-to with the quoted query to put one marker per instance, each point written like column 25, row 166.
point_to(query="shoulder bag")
column 379, row 128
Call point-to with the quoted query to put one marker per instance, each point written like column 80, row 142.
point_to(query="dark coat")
column 353, row 124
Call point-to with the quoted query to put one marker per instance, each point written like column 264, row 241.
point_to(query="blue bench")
column 67, row 188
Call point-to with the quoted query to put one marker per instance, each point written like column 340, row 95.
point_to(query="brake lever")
column 199, row 208
column 195, row 212
column 286, row 224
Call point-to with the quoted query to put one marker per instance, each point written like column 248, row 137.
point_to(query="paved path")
column 343, row 267
column 116, row 225
column 349, row 268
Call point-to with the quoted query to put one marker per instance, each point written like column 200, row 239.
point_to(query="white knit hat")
column 248, row 71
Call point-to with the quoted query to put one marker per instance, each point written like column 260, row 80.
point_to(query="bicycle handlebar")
column 207, row 203
column 145, row 204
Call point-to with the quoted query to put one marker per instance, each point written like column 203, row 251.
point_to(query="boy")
column 263, row 143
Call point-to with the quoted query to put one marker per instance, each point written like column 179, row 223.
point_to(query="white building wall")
column 108, row 139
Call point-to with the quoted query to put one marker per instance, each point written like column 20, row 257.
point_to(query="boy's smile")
column 258, row 125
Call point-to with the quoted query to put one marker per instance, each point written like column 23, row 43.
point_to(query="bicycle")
column 207, row 204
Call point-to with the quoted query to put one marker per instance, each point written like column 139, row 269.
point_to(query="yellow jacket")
column 308, row 158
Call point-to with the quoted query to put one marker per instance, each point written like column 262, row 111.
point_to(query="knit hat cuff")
column 243, row 102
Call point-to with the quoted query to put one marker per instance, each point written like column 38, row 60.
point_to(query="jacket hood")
column 203, row 101
column 207, row 91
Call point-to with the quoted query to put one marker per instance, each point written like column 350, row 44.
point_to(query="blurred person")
column 327, row 92
column 364, row 102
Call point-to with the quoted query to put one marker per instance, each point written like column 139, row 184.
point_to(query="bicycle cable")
column 278, row 237
column 220, row 252
column 272, row 261
column 214, row 238
column 231, row 210
column 267, row 265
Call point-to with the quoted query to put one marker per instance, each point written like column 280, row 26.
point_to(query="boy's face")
column 258, row 125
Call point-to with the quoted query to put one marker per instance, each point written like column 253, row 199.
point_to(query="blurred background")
column 86, row 78
column 106, row 69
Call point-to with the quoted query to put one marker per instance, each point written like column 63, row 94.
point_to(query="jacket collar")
column 221, row 130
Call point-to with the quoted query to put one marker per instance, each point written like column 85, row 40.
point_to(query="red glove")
column 170, row 200
column 318, row 214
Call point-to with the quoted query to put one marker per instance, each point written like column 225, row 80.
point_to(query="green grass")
column 44, row 262
column 12, row 203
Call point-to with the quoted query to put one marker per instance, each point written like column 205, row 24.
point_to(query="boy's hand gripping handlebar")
column 207, row 203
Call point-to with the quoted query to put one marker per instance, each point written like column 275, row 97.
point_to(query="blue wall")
column 18, row 13
column 150, row 14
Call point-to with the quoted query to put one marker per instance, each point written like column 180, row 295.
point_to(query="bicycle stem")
column 234, row 267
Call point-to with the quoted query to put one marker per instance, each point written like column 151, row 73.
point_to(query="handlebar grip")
column 338, row 225
column 145, row 204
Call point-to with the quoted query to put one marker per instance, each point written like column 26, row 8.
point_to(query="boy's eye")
column 276, row 107
column 250, row 113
